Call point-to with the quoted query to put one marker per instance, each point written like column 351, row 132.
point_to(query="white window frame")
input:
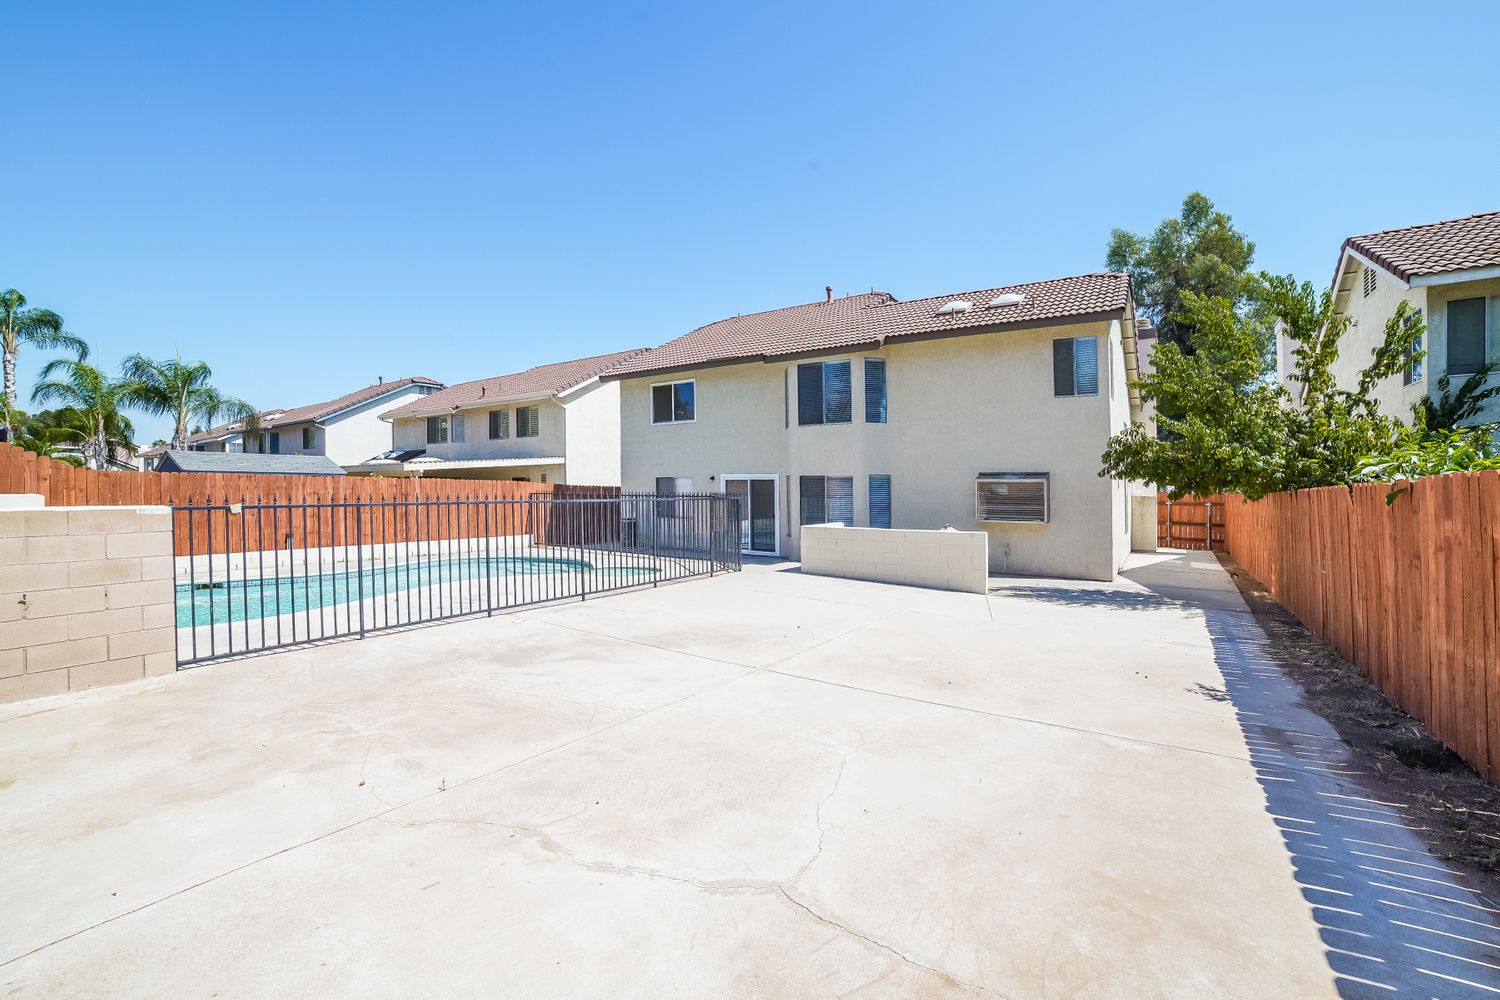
column 517, row 423
column 443, row 425
column 651, row 403
column 776, row 489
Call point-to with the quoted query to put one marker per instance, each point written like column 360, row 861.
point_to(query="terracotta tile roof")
column 876, row 317
column 314, row 411
column 533, row 383
column 1434, row 247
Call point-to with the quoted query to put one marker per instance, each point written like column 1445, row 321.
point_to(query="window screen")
column 880, row 501
column 875, row 390
column 528, row 422
column 826, row 499
column 1466, row 353
column 499, row 424
column 457, row 427
column 824, row 394
column 437, row 430
column 673, row 403
column 1075, row 366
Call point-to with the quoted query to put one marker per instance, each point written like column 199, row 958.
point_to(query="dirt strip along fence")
column 1410, row 592
column 308, row 513
column 1191, row 523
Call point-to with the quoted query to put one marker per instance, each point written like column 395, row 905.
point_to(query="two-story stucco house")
column 346, row 430
column 555, row 423
column 983, row 410
column 1450, row 271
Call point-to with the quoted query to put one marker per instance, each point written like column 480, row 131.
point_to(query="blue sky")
column 309, row 196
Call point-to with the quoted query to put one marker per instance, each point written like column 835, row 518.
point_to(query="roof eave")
column 875, row 343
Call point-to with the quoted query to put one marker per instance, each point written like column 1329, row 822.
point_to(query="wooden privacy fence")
column 65, row 485
column 1194, row 523
column 1409, row 592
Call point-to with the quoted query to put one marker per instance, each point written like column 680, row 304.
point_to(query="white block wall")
column 947, row 560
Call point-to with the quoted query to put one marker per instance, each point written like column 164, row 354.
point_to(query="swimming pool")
column 446, row 578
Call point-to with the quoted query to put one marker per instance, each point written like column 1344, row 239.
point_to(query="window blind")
column 880, row 501
column 875, row 407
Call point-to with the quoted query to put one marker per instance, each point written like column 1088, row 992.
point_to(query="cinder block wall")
column 948, row 560
column 86, row 598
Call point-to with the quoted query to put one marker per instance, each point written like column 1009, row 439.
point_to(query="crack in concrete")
column 781, row 887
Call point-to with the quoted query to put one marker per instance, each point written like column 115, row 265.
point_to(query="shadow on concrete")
column 1088, row 597
column 1395, row 921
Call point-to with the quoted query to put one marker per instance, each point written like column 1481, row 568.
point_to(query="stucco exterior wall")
column 592, row 435
column 946, row 560
column 1368, row 316
column 550, row 441
column 957, row 407
column 583, row 428
column 1438, row 297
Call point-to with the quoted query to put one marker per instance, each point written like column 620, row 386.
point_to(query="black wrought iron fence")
column 263, row 575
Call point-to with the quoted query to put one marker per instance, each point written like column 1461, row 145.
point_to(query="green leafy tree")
column 183, row 392
column 1452, row 409
column 23, row 327
column 1228, row 429
column 55, row 434
column 1199, row 252
column 1419, row 452
column 98, row 400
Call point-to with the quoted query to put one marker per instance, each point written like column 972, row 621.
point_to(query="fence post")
column 489, row 567
column 359, row 561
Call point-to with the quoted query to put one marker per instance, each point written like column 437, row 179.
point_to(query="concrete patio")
column 761, row 785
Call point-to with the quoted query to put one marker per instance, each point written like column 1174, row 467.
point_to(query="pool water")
column 237, row 600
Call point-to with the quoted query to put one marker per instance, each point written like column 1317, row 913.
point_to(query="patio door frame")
column 775, row 479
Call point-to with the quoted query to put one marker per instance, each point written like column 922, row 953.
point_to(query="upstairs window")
column 309, row 438
column 456, row 428
column 674, row 402
column 823, row 393
column 880, row 501
column 499, row 425
column 1466, row 352
column 528, row 421
column 826, row 499
column 1075, row 366
column 273, row 443
column 437, row 430
column 875, row 390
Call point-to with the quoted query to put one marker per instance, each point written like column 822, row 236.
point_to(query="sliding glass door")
column 759, row 513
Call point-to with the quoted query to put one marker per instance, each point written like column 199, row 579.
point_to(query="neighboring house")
column 248, row 463
column 981, row 410
column 1451, row 272
column 347, row 429
column 553, row 423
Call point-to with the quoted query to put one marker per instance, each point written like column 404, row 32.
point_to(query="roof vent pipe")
column 828, row 290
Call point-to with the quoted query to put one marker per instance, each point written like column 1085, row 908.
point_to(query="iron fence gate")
column 264, row 575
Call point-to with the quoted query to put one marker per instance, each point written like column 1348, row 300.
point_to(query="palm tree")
column 20, row 327
column 182, row 391
column 96, row 397
column 1450, row 409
